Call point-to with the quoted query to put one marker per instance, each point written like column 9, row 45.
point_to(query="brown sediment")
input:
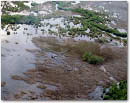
column 73, row 78
column 27, row 80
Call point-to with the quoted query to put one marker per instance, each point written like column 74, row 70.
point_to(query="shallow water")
column 16, row 59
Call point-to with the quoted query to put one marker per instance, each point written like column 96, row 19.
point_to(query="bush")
column 109, row 30
column 19, row 19
column 117, row 92
column 34, row 4
column 87, row 55
column 96, row 22
column 19, row 6
column 125, row 42
column 92, row 59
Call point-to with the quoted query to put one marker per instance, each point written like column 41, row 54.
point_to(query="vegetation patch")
column 92, row 59
column 19, row 19
column 102, row 40
column 117, row 92
column 125, row 41
column 19, row 6
column 95, row 22
column 63, row 5
column 34, row 4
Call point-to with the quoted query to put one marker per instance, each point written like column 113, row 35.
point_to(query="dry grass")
column 78, row 83
column 78, row 48
column 70, row 85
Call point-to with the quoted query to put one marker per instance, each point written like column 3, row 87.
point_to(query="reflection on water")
column 15, row 58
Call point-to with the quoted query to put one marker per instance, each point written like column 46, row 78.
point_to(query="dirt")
column 73, row 78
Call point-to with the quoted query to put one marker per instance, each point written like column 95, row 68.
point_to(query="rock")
column 3, row 84
column 23, row 92
column 16, row 42
column 8, row 33
column 49, row 93
column 33, row 97
column 41, row 86
column 100, row 82
column 103, row 69
column 76, row 69
column 112, row 79
column 6, row 41
column 16, row 77
column 97, row 93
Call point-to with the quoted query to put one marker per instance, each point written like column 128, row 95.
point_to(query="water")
column 16, row 59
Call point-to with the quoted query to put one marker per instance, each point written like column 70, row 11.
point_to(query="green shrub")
column 109, row 30
column 20, row 6
column 92, row 59
column 87, row 55
column 96, row 22
column 117, row 92
column 19, row 19
column 34, row 4
column 125, row 41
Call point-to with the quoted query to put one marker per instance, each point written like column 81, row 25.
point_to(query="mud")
column 38, row 65
column 70, row 69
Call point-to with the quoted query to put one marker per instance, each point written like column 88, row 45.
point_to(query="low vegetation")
column 125, row 41
column 117, row 92
column 19, row 6
column 95, row 22
column 62, row 4
column 34, row 4
column 102, row 40
column 92, row 59
column 19, row 19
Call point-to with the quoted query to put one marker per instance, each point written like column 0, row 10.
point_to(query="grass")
column 19, row 19
column 92, row 59
column 62, row 4
column 125, row 41
column 102, row 40
column 110, row 30
column 95, row 22
column 19, row 6
column 117, row 92
column 76, row 77
column 82, row 46
column 34, row 4
column 62, row 30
